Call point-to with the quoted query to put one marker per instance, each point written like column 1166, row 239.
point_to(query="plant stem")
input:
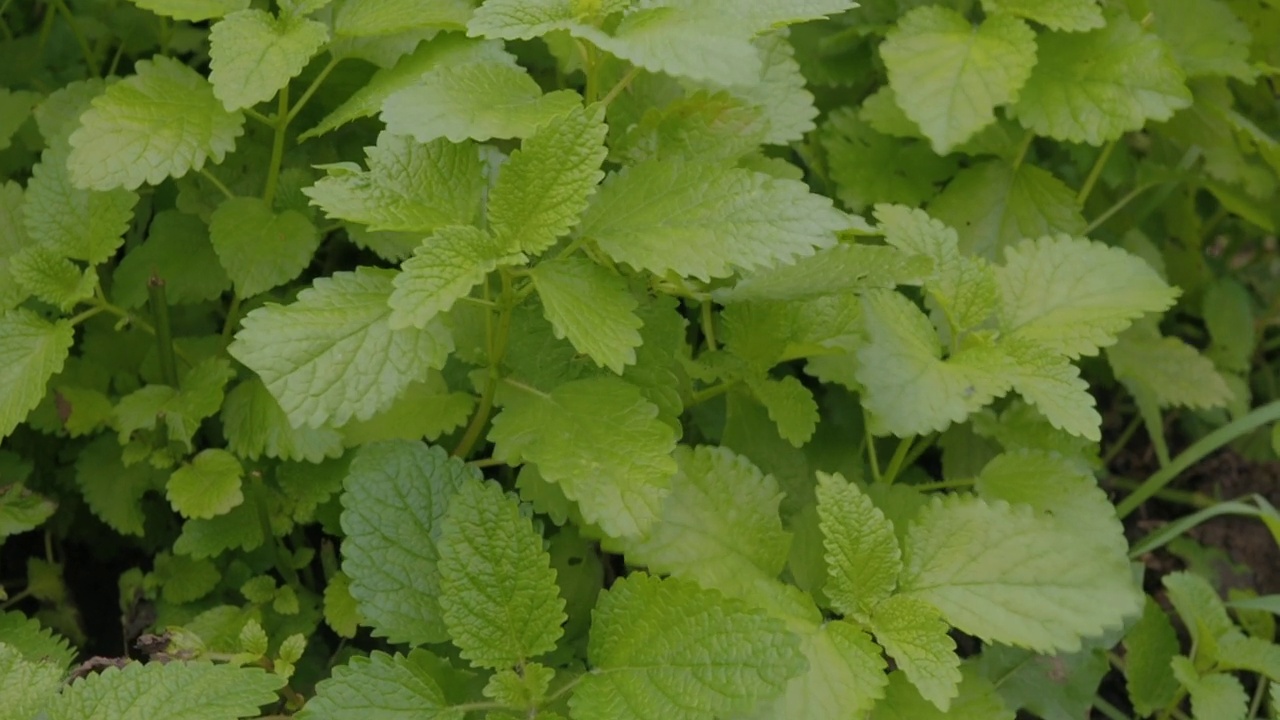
column 709, row 326
column 16, row 598
column 1125, row 436
column 1106, row 708
column 311, row 89
column 1178, row 497
column 870, row 442
column 164, row 333
column 1023, row 147
column 277, row 148
column 944, row 484
column 77, row 319
column 213, row 180
column 1257, row 418
column 497, row 341
column 896, row 462
column 233, row 317
column 89, row 62
column 1118, row 206
column 619, row 86
column 1094, row 173
column 712, row 392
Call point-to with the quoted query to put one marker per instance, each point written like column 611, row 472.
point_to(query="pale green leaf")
column 592, row 307
column 1199, row 606
column 779, row 97
column 1149, row 648
column 978, row 700
column 374, row 18
column 1066, row 15
column 1093, row 87
column 242, row 528
column 80, row 224
column 993, row 205
column 652, row 635
column 862, row 554
column 183, row 579
column 331, row 355
column 1205, row 36
column 544, row 187
column 34, row 642
column 857, row 155
column 259, row 248
column 442, row 270
column 706, row 220
column 388, row 687
column 949, row 76
column 443, row 49
column 478, row 100
column 158, row 691
column 409, row 186
column 700, row 126
column 527, row 19
column 717, row 498
column 32, row 350
column 1008, row 575
column 600, row 440
column 253, row 55
column 21, row 511
column 112, row 491
column 790, row 404
column 256, row 426
column 424, row 410
column 162, row 122
column 1169, row 370
column 29, row 686
column 1237, row 651
column 340, row 611
column 915, row 636
column 498, row 593
column 13, row 240
column 178, row 251
column 397, row 494
column 194, row 10
column 845, row 676
column 54, row 279
column 180, row 411
column 526, row 688
column 1073, row 295
column 1047, row 380
column 845, row 268
column 1213, row 695
column 207, row 487
column 909, row 388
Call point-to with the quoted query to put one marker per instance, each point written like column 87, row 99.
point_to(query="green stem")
column 1106, row 708
column 943, row 485
column 497, row 342
column 164, row 332
column 870, row 442
column 1177, row 497
column 61, row 7
column 712, row 392
column 233, row 317
column 213, row 180
column 1118, row 206
column 254, row 114
column 709, row 326
column 619, row 86
column 311, row 89
column 16, row 598
column 277, row 148
column 896, row 462
column 591, row 68
column 1125, row 436
column 77, row 319
column 1241, row 426
column 1023, row 148
column 1094, row 173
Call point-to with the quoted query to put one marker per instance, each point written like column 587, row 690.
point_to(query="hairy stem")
column 164, row 332
column 1094, row 173
column 497, row 342
column 277, row 148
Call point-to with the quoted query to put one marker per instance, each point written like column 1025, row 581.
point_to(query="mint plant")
column 590, row 359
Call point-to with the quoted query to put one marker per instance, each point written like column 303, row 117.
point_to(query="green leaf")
column 1053, row 385
column 1054, row 687
column 1073, row 295
column 442, row 270
column 845, row 676
column 978, row 700
column 790, row 404
column 180, row 410
column 949, row 77
column 393, row 687
column 910, row 389
column 372, row 18
column 305, row 351
column 845, row 268
column 1065, row 15
column 1006, row 575
column 1093, row 87
column 51, row 277
column 479, row 100
column 1172, row 372
column 155, row 691
column 778, row 97
column 705, row 220
column 701, row 126
column 1205, row 36
column 22, row 510
column 443, row 49
column 409, row 186
column 544, row 187
column 253, row 55
column 993, row 205
column 209, row 486
column 498, row 593
column 79, row 224
column 261, row 249
column 29, row 686
column 527, row 19
column 31, row 351
column 1236, row 651
column 1213, row 695
column 915, row 636
column 242, row 528
column 162, row 122
column 112, row 491
column 397, row 494
column 600, row 441
column 183, row 579
column 1150, row 646
column 341, row 613
column 526, row 688
column 256, row 426
column 194, row 10
column 425, row 410
column 717, row 498
column 862, row 553
column 34, row 642
column 1227, row 310
column 15, row 108
column 13, row 240
column 178, row 251
column 1199, row 606
column 857, row 155
column 669, row 649
column 592, row 307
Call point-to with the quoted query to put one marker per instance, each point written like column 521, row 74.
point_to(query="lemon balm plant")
column 588, row 359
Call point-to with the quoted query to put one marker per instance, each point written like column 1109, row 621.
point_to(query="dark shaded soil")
column 1247, row 541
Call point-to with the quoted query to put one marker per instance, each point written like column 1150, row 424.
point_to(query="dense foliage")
column 631, row 359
